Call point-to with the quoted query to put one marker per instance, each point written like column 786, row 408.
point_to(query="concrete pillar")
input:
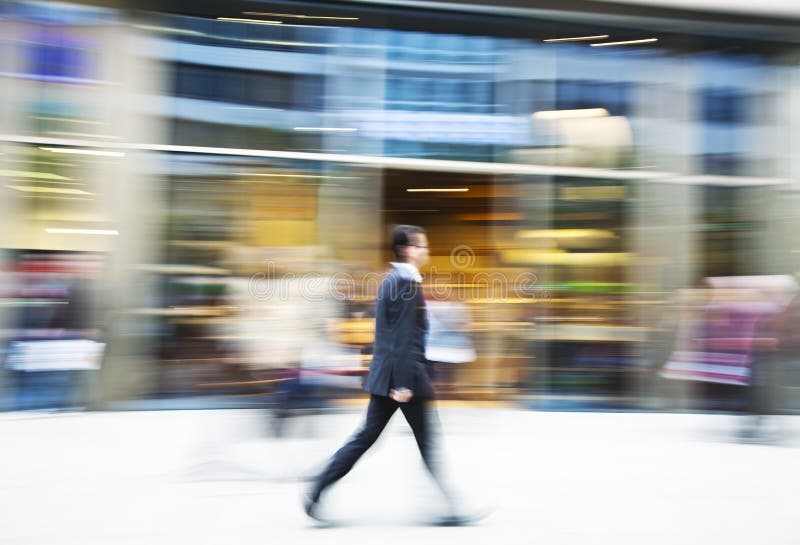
column 663, row 215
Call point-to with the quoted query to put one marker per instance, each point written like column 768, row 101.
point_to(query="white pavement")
column 213, row 477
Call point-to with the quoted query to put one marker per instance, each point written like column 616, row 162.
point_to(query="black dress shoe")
column 311, row 507
column 463, row 519
column 451, row 520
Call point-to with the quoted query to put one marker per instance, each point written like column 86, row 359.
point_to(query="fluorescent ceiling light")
column 576, row 39
column 439, row 190
column 250, row 21
column 563, row 114
column 86, row 152
column 302, row 16
column 628, row 42
column 56, row 231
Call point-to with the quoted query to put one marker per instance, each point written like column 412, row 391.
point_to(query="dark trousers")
column 423, row 424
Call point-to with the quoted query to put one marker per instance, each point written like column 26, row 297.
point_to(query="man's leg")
column 379, row 412
column 422, row 418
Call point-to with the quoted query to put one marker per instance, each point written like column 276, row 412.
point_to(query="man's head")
column 410, row 245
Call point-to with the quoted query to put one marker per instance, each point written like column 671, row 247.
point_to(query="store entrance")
column 474, row 344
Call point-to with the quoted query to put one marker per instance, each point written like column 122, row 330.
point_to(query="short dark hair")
column 401, row 236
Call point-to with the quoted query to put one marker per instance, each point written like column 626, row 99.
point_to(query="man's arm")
column 399, row 304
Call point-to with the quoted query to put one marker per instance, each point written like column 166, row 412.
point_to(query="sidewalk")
column 214, row 477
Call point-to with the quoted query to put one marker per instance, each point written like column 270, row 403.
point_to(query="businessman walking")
column 397, row 377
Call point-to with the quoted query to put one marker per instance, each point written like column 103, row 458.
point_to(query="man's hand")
column 401, row 395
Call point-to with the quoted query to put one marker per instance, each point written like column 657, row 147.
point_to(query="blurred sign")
column 60, row 355
column 441, row 127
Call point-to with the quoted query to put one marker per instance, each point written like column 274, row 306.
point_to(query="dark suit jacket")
column 401, row 325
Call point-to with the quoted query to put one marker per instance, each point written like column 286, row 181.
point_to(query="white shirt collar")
column 407, row 271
